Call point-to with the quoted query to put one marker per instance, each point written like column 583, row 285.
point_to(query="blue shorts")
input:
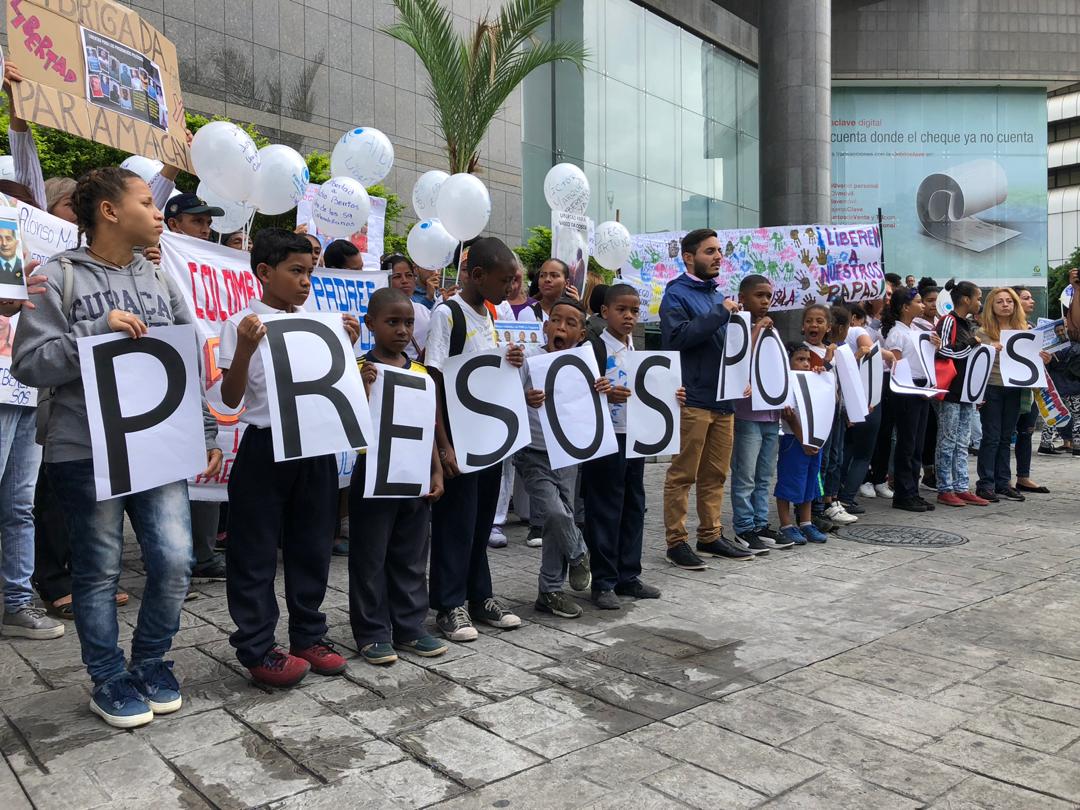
column 796, row 472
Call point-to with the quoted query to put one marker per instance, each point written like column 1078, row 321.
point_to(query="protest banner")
column 1052, row 407
column 369, row 240
column 851, row 389
column 806, row 264
column 521, row 333
column 872, row 373
column 652, row 412
column 1053, row 336
column 770, row 381
column 815, row 402
column 318, row 405
column 12, row 392
column 574, row 418
column 902, row 382
column 485, row 404
column 570, row 237
column 1020, row 364
column 144, row 408
column 98, row 70
column 977, row 374
column 346, row 291
column 735, row 366
column 400, row 453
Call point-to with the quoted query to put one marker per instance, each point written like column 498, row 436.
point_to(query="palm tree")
column 470, row 78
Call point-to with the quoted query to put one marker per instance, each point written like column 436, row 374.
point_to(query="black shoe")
column 341, row 547
column 909, row 504
column 751, row 542
column 606, row 600
column 1049, row 450
column 210, row 571
column 853, row 508
column 929, row 506
column 987, row 495
column 638, row 590
column 823, row 524
column 682, row 556
column 1011, row 494
column 722, row 547
column 1076, row 452
column 773, row 538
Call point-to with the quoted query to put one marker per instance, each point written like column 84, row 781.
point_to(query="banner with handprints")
column 806, row 264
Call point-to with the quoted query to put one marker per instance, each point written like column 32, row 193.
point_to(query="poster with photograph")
column 519, row 333
column 121, row 79
column 1052, row 335
column 12, row 277
column 570, row 237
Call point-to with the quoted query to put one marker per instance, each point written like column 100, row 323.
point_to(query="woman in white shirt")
column 403, row 277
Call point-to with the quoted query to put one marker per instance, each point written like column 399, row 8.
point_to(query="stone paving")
column 844, row 675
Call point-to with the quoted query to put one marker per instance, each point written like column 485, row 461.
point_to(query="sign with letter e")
column 144, row 408
column 399, row 456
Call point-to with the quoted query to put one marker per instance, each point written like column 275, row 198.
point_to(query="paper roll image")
column 948, row 201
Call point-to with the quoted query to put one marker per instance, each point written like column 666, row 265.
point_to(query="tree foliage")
column 1058, row 280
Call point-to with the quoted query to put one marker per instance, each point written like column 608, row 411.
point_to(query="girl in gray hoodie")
column 111, row 287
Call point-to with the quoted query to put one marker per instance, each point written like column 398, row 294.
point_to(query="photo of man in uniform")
column 11, row 269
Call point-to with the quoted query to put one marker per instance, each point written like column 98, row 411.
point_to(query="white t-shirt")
column 256, row 404
column 479, row 333
column 421, row 324
column 853, row 335
column 616, row 372
column 902, row 338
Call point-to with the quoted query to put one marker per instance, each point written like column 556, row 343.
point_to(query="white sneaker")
column 535, row 538
column 837, row 514
column 867, row 491
column 883, row 491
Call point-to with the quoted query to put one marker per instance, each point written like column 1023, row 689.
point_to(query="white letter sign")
column 399, row 455
column 847, row 372
column 652, row 412
column 901, row 382
column 574, row 418
column 927, row 352
column 1021, row 366
column 815, row 400
column 872, row 372
column 977, row 375
column 485, row 402
column 144, row 408
column 769, row 372
column 735, row 365
column 317, row 400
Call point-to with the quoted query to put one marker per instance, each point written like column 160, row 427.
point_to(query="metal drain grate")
column 901, row 536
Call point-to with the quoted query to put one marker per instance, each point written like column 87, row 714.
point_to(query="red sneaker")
column 322, row 656
column 950, row 499
column 280, row 669
column 972, row 498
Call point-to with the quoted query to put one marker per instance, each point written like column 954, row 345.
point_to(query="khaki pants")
column 705, row 459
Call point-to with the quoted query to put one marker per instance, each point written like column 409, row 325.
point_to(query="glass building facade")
column 664, row 123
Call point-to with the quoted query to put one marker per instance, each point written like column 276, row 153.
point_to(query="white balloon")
column 341, row 207
column 364, row 154
column 281, row 180
column 464, row 206
column 145, row 167
column 7, row 167
column 425, row 194
column 944, row 303
column 226, row 159
column 430, row 246
column 236, row 215
column 566, row 188
column 611, row 245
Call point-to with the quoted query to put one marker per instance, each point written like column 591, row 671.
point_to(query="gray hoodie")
column 45, row 353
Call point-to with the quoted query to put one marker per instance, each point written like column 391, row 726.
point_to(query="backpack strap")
column 537, row 311
column 457, row 328
column 600, row 350
column 68, row 293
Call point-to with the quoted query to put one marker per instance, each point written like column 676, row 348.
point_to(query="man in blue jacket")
column 693, row 319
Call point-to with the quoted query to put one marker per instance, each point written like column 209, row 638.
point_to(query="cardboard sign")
column 485, row 403
column 735, row 367
column 98, row 70
column 346, row 291
column 652, row 412
column 977, row 374
column 399, row 455
column 847, row 372
column 574, row 418
column 815, row 401
column 769, row 372
column 901, row 382
column 144, row 407
column 924, row 342
column 317, row 401
column 1021, row 366
column 872, row 373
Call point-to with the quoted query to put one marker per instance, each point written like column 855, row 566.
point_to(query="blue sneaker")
column 119, row 703
column 791, row 534
column 154, row 679
column 813, row 533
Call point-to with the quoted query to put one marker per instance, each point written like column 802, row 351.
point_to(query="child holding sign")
column 388, row 557
column 294, row 502
column 116, row 212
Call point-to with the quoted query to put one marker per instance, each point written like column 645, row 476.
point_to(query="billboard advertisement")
column 959, row 174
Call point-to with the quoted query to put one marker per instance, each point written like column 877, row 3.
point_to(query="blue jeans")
column 161, row 518
column 20, row 457
column 998, row 415
column 950, row 462
column 753, row 463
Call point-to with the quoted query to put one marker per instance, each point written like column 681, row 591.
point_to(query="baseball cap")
column 189, row 203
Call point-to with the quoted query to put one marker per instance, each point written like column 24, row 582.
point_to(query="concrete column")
column 794, row 100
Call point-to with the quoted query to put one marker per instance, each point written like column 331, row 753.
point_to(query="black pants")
column 879, row 464
column 614, row 491
column 930, row 442
column 909, row 411
column 205, row 516
column 388, row 551
column 461, row 523
column 295, row 501
column 52, row 549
